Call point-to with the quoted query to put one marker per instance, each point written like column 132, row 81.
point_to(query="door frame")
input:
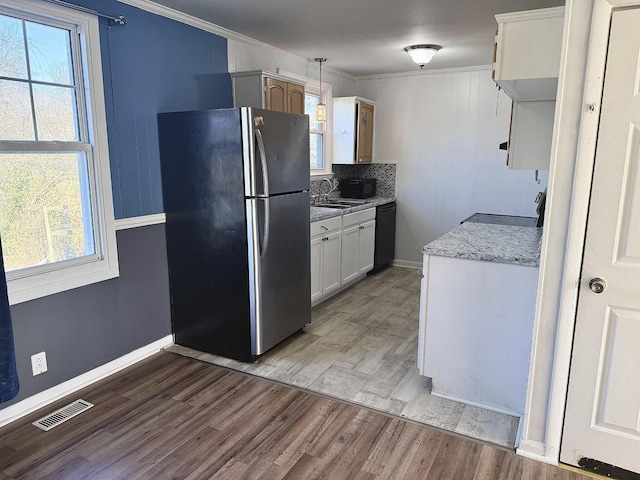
column 580, row 87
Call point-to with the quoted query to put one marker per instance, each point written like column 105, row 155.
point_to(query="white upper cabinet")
column 527, row 53
column 526, row 66
column 352, row 130
column 531, row 135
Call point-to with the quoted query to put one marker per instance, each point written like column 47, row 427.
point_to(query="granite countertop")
column 319, row 213
column 488, row 242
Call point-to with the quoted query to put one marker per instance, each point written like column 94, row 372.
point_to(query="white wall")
column 443, row 128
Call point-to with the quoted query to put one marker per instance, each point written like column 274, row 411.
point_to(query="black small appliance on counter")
column 358, row 187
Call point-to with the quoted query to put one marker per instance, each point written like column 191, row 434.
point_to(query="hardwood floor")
column 172, row 417
column 362, row 347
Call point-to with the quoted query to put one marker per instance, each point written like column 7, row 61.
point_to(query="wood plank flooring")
column 172, row 417
column 362, row 347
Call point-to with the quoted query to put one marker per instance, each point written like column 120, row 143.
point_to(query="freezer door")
column 279, row 268
column 276, row 152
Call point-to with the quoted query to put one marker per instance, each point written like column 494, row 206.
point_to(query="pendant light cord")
column 320, row 60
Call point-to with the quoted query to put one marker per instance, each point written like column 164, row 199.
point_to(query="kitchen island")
column 476, row 314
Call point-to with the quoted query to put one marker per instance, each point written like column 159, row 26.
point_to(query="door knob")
column 597, row 285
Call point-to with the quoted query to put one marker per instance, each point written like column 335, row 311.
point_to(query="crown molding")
column 538, row 14
column 196, row 22
column 437, row 71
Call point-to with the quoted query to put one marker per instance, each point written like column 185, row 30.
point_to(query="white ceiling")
column 365, row 37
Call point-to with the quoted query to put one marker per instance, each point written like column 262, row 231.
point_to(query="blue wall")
column 151, row 65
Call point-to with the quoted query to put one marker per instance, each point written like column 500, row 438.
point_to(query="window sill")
column 41, row 285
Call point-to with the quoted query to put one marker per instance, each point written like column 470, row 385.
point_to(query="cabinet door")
column 275, row 94
column 531, row 134
column 350, row 253
column 367, row 246
column 316, row 267
column 525, row 73
column 364, row 153
column 295, row 98
column 331, row 262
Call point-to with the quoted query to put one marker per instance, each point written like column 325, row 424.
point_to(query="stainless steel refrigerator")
column 235, row 186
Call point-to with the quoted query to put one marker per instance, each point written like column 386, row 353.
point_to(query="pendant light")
column 321, row 109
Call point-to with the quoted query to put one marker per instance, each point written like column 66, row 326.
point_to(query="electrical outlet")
column 39, row 363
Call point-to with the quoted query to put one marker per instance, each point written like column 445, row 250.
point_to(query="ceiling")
column 365, row 37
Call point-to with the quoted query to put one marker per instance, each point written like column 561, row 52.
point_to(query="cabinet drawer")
column 324, row 226
column 358, row 217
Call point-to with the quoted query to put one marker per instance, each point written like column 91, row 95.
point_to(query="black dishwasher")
column 385, row 236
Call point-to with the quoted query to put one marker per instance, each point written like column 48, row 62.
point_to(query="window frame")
column 57, row 277
column 314, row 89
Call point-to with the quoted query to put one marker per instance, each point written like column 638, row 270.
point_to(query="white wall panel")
column 443, row 130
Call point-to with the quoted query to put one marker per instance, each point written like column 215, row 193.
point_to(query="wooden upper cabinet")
column 295, row 98
column 364, row 143
column 275, row 94
column 265, row 90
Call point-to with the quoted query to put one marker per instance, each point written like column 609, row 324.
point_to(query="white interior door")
column 602, row 419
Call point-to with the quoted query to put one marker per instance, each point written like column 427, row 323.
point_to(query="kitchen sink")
column 332, row 205
column 340, row 203
column 353, row 203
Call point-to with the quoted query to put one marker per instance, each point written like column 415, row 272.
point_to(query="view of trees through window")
column 45, row 207
column 316, row 137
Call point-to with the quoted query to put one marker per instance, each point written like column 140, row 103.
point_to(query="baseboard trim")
column 475, row 404
column 42, row 399
column 536, row 451
column 142, row 221
column 407, row 264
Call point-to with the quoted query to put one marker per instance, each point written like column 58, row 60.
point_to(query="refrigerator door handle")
column 263, row 161
column 265, row 230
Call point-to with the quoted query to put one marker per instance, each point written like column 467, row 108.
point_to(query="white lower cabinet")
column 325, row 257
column 474, row 339
column 367, row 246
column 342, row 250
column 350, row 246
column 358, row 241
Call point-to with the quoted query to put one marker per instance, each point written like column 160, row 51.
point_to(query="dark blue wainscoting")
column 84, row 328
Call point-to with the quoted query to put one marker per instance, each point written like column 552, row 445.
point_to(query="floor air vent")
column 65, row 413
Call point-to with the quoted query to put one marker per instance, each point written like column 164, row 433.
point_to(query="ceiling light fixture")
column 422, row 54
column 321, row 108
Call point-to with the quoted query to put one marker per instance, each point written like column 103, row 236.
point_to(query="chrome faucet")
column 331, row 187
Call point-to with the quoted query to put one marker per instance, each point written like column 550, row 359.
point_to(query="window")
column 316, row 132
column 56, row 212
